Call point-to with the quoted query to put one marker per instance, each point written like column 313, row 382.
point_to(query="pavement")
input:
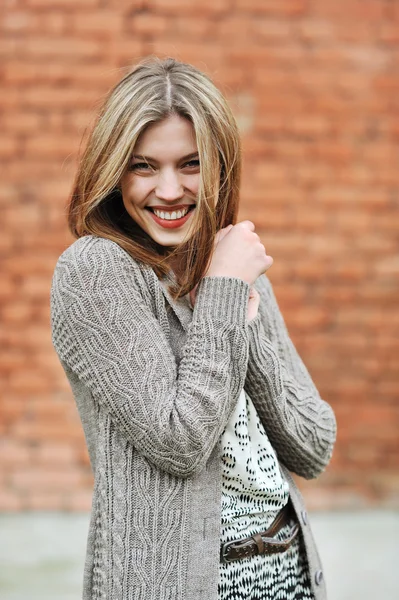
column 42, row 554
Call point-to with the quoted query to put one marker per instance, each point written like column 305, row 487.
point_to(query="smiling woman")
column 194, row 401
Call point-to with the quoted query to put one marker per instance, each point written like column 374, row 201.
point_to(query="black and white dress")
column 253, row 492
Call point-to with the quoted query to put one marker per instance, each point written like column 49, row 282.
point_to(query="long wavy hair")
column 152, row 91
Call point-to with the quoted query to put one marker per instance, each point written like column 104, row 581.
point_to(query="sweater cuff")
column 222, row 298
column 255, row 327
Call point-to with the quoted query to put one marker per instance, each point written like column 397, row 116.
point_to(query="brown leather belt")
column 263, row 542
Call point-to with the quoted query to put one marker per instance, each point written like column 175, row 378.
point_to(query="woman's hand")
column 254, row 298
column 240, row 253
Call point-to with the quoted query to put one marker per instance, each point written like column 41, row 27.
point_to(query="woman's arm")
column 300, row 425
column 105, row 332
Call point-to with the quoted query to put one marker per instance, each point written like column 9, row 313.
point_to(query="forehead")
column 173, row 136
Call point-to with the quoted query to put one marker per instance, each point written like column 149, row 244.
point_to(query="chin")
column 169, row 241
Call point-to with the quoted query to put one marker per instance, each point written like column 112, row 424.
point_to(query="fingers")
column 247, row 224
column 221, row 233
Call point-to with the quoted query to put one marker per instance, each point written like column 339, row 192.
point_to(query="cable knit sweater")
column 155, row 383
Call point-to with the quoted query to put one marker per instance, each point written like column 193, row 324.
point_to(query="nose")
column 169, row 187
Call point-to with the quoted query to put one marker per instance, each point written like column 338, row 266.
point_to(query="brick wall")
column 314, row 85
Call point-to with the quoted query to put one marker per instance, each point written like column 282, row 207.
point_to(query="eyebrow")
column 149, row 159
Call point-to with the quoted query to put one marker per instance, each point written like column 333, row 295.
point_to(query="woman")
column 194, row 402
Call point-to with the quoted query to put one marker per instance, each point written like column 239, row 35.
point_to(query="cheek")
column 134, row 191
column 193, row 184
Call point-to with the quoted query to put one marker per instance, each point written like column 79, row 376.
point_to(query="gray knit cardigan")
column 155, row 383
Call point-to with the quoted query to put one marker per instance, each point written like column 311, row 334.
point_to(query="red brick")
column 188, row 28
column 340, row 294
column 13, row 407
column 272, row 29
column 229, row 78
column 22, row 263
column 355, row 10
column 7, row 289
column 389, row 33
column 206, row 7
column 305, row 317
column 18, row 21
column 316, row 29
column 17, row 312
column 207, row 58
column 282, row 7
column 13, row 454
column 126, row 51
column 373, row 245
column 290, row 295
column 308, row 222
column 49, row 479
column 388, row 268
column 271, row 173
column 35, row 286
column 61, row 48
column 45, row 500
column 22, row 122
column 271, row 124
column 6, row 244
column 384, row 222
column 9, row 147
column 236, row 26
column 355, row 174
column 311, row 270
column 33, row 431
column 352, row 196
column 79, row 501
column 45, row 97
column 100, row 23
column 10, row 501
column 60, row 4
column 28, row 380
column 8, row 47
column 54, row 454
column 54, row 22
column 154, row 25
column 311, row 126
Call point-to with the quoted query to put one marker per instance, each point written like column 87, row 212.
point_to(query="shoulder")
column 91, row 254
column 90, row 248
column 92, row 262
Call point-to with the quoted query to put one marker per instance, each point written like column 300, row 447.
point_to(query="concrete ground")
column 42, row 554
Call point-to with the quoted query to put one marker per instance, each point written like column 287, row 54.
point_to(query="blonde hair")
column 154, row 90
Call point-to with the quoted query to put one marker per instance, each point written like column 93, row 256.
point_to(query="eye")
column 141, row 166
column 192, row 164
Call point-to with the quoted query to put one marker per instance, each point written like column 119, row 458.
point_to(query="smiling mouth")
column 169, row 214
column 171, row 219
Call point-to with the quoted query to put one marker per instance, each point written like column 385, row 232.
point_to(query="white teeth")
column 171, row 216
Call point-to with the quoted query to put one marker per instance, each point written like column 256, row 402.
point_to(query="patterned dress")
column 253, row 492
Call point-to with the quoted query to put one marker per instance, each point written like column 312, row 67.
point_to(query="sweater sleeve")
column 300, row 425
column 105, row 332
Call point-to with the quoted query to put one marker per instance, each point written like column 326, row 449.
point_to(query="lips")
column 171, row 223
column 170, row 208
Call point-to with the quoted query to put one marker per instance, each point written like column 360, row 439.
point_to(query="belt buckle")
column 223, row 553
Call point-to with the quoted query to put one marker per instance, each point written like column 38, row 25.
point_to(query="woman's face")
column 164, row 176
